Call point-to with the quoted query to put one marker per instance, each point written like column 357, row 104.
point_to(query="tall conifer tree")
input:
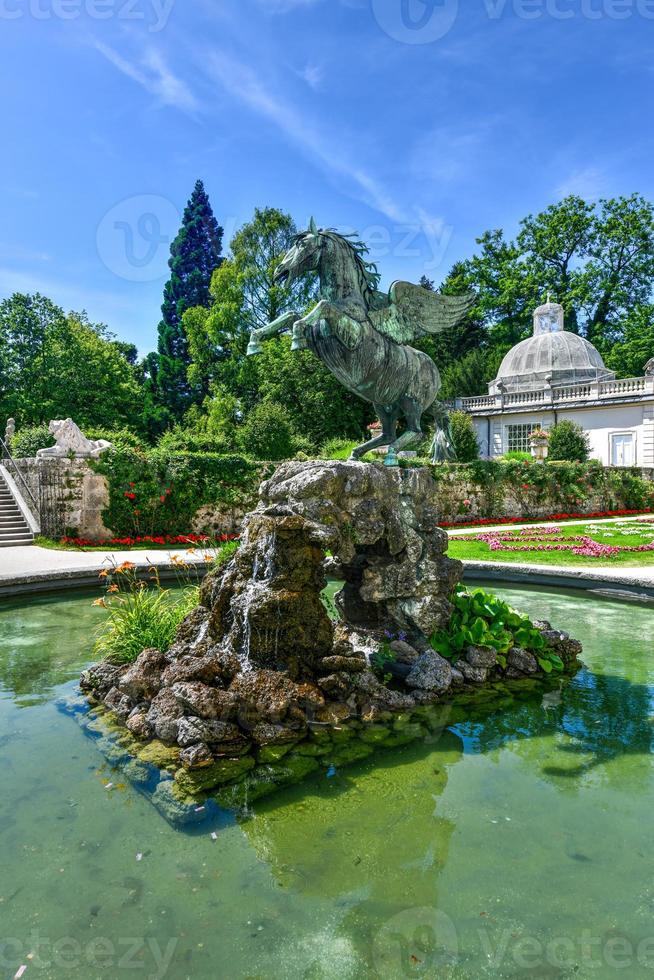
column 194, row 256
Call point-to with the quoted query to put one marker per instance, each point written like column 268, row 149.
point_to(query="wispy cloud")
column 588, row 182
column 153, row 75
column 312, row 74
column 241, row 83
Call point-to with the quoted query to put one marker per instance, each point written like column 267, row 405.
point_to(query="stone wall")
column 71, row 496
column 461, row 498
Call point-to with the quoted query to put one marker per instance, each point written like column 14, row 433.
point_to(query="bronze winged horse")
column 362, row 336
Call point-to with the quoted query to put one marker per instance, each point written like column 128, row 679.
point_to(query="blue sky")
column 419, row 123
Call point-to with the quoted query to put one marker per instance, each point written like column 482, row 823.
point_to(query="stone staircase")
column 14, row 529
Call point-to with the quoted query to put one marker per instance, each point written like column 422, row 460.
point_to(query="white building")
column 556, row 375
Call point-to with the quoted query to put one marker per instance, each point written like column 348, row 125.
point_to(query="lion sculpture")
column 71, row 441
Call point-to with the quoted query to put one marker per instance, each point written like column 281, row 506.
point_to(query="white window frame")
column 623, row 432
column 530, row 426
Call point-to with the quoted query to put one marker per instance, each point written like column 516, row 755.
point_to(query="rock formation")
column 260, row 683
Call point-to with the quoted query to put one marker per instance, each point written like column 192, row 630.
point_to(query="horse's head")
column 303, row 256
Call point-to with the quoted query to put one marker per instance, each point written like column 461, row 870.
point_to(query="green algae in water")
column 438, row 858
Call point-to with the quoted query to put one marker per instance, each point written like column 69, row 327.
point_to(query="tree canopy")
column 55, row 365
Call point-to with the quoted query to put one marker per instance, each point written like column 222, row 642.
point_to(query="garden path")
column 34, row 569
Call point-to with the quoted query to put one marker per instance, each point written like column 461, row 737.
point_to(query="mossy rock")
column 113, row 752
column 353, row 752
column 313, row 749
column 322, row 736
column 412, row 729
column 93, row 726
column 273, row 753
column 159, row 755
column 140, row 773
column 293, row 768
column 404, row 718
column 342, row 734
column 374, row 734
column 237, row 796
column 178, row 812
column 194, row 781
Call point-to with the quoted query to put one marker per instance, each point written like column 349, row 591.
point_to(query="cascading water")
column 263, row 570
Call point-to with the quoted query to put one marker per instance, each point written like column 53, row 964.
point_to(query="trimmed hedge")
column 156, row 492
column 482, row 488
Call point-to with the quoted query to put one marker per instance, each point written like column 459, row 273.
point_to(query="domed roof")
column 552, row 356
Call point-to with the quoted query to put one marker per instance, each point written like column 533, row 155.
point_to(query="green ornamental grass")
column 140, row 616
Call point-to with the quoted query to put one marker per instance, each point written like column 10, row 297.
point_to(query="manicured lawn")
column 549, row 546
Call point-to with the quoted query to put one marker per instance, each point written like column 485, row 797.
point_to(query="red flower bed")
column 486, row 521
column 162, row 539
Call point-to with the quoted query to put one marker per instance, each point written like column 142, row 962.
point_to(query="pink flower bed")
column 551, row 539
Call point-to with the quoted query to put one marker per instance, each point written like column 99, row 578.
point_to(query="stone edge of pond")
column 629, row 584
column 150, row 767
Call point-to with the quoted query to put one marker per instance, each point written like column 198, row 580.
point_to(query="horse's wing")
column 415, row 311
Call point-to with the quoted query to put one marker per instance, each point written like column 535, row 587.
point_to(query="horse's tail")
column 442, row 446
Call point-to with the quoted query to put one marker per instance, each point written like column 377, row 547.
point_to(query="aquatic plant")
column 141, row 615
column 482, row 619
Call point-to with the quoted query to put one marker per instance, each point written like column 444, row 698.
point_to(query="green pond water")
column 516, row 844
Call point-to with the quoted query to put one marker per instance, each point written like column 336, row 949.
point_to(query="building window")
column 517, row 437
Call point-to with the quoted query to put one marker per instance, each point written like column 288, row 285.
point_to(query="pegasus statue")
column 363, row 336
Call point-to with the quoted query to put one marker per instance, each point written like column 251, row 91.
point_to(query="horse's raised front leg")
column 388, row 418
column 344, row 327
column 282, row 322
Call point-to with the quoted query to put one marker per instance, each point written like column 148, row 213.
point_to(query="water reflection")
column 44, row 643
column 521, row 818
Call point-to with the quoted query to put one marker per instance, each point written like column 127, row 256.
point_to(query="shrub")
column 337, row 449
column 268, row 432
column 179, row 440
column 140, row 617
column 157, row 492
column 27, row 441
column 464, row 437
column 568, row 442
column 517, row 456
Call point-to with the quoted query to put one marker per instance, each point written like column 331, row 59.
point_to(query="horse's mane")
column 367, row 272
